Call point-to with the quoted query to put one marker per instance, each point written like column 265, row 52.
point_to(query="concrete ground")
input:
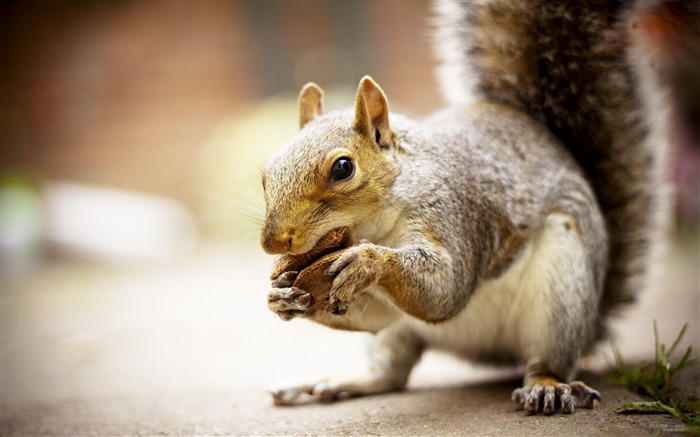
column 188, row 349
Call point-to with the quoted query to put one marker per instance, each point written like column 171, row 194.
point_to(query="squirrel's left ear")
column 372, row 112
column 310, row 103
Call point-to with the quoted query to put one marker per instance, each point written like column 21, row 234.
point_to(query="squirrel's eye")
column 343, row 168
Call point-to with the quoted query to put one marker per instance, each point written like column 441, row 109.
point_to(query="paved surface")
column 189, row 349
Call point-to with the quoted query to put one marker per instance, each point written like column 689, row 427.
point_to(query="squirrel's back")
column 577, row 68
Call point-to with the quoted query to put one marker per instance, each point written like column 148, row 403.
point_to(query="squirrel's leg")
column 559, row 322
column 418, row 278
column 393, row 352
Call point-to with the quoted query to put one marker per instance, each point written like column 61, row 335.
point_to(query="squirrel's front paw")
column 548, row 394
column 290, row 302
column 358, row 268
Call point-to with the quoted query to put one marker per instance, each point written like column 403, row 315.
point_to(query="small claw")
column 285, row 279
column 290, row 395
column 337, row 307
column 532, row 400
column 549, row 398
column 583, row 395
column 339, row 264
column 325, row 392
column 519, row 395
column 283, row 397
column 567, row 402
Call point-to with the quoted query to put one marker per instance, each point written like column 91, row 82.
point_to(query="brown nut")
column 314, row 281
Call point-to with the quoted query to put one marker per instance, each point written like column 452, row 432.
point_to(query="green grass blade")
column 678, row 339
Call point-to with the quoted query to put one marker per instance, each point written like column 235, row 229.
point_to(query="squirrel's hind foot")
column 332, row 389
column 546, row 395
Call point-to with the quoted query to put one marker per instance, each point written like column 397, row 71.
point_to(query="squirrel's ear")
column 372, row 112
column 310, row 103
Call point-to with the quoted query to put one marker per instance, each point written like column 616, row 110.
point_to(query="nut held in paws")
column 311, row 267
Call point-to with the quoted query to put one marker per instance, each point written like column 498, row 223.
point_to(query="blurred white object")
column 117, row 225
column 20, row 228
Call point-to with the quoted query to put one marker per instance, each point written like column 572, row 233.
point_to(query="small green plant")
column 653, row 382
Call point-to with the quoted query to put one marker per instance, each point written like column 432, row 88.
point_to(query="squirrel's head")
column 336, row 172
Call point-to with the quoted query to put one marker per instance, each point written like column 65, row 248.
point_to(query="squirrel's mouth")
column 335, row 240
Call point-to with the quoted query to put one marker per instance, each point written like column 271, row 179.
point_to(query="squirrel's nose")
column 276, row 243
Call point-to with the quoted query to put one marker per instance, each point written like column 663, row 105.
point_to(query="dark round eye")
column 343, row 168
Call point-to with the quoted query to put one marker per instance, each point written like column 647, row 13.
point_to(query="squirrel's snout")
column 276, row 243
column 275, row 246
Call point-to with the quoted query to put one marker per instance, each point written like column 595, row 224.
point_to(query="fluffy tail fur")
column 584, row 69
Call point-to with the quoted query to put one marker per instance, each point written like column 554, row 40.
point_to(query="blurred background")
column 132, row 134
column 184, row 99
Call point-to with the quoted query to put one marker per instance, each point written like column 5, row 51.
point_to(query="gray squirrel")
column 506, row 228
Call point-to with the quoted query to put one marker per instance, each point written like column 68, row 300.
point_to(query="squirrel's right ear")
column 310, row 103
column 372, row 112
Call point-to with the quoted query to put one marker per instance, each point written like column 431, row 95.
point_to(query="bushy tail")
column 583, row 69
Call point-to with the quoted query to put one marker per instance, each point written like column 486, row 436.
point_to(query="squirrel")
column 506, row 228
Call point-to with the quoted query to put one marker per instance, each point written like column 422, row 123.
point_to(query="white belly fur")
column 506, row 318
